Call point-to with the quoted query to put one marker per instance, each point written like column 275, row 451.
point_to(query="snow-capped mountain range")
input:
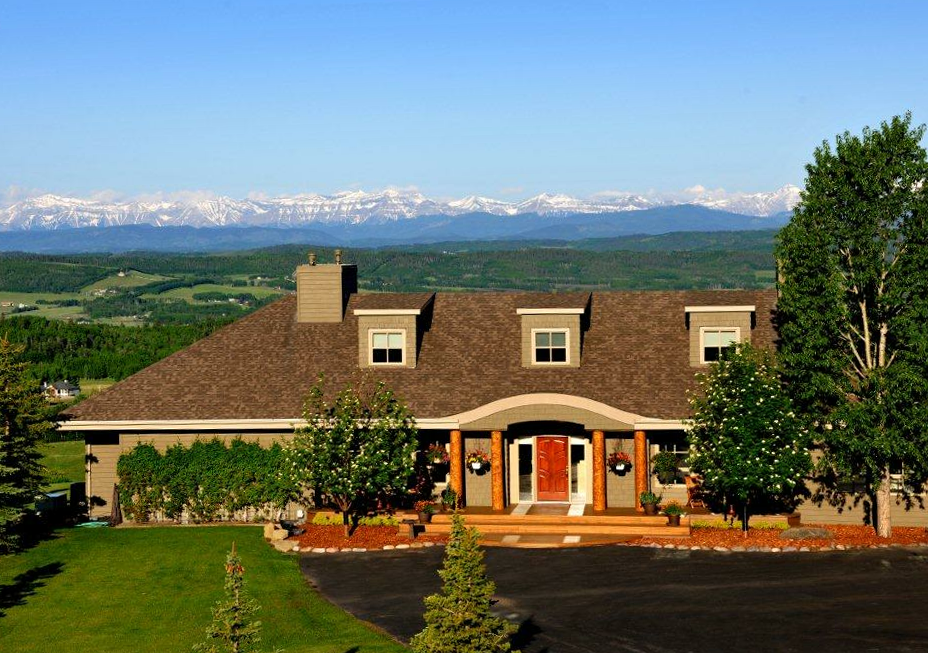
column 49, row 212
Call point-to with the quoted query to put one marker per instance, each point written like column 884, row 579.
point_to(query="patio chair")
column 693, row 492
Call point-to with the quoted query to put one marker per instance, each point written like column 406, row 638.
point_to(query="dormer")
column 552, row 329
column 390, row 328
column 322, row 290
column 715, row 328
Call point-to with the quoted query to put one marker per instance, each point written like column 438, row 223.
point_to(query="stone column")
column 599, row 471
column 456, row 481
column 497, row 470
column 641, row 467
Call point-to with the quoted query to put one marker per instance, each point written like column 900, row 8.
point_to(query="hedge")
column 204, row 482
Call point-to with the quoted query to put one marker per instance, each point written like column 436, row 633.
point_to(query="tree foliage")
column 233, row 629
column 355, row 451
column 853, row 308
column 207, row 481
column 23, row 424
column 746, row 441
column 458, row 619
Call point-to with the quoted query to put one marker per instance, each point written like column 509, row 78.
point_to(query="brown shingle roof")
column 635, row 358
column 553, row 300
column 392, row 300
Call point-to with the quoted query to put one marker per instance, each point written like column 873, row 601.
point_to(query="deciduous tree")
column 746, row 441
column 853, row 308
column 355, row 450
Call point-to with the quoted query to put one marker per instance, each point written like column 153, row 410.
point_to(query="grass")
column 187, row 293
column 132, row 279
column 44, row 310
column 152, row 590
column 64, row 462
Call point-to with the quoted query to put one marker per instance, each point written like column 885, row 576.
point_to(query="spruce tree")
column 23, row 425
column 232, row 629
column 458, row 619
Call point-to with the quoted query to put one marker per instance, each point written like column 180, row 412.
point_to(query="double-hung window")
column 388, row 347
column 550, row 346
column 681, row 450
column 716, row 340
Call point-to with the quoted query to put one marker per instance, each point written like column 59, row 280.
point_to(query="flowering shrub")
column 746, row 442
column 424, row 506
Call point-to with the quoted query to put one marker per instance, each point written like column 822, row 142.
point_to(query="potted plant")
column 649, row 501
column 664, row 464
column 449, row 499
column 619, row 461
column 436, row 454
column 477, row 460
column 674, row 511
column 425, row 510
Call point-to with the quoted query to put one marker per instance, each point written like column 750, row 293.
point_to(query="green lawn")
column 132, row 279
column 44, row 310
column 151, row 590
column 64, row 462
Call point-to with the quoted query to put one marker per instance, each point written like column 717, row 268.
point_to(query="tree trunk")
column 884, row 496
column 346, row 521
column 744, row 519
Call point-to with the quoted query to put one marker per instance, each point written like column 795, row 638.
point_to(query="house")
column 548, row 384
column 61, row 389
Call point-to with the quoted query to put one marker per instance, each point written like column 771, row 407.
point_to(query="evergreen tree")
column 746, row 441
column 232, row 629
column 23, row 424
column 853, row 310
column 354, row 451
column 458, row 619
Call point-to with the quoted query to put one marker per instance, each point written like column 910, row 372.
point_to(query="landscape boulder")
column 274, row 533
column 806, row 533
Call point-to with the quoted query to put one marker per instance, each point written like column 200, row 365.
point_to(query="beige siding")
column 811, row 513
column 478, row 489
column 570, row 322
column 727, row 319
column 547, row 413
column 620, row 488
column 322, row 291
column 406, row 323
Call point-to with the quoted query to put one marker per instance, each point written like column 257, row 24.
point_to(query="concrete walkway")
column 654, row 600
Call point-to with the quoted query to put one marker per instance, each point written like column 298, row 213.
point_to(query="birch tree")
column 853, row 309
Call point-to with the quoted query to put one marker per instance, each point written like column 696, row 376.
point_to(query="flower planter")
column 650, row 509
column 476, row 466
column 425, row 517
column 673, row 520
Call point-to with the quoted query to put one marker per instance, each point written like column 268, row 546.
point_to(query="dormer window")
column 715, row 341
column 387, row 347
column 550, row 346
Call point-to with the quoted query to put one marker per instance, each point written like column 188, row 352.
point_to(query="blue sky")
column 504, row 99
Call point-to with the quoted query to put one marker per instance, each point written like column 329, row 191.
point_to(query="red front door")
column 552, row 468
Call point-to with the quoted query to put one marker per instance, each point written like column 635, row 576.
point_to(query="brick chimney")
column 322, row 289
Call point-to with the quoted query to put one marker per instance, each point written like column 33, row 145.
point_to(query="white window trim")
column 702, row 339
column 370, row 347
column 566, row 333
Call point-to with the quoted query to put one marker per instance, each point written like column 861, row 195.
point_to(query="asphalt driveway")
column 659, row 600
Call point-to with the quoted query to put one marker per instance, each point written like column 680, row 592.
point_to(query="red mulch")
column 366, row 537
column 849, row 536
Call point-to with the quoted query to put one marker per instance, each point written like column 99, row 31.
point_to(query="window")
column 898, row 482
column 387, row 347
column 550, row 346
column 681, row 450
column 715, row 341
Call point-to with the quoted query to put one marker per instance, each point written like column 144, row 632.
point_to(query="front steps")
column 507, row 529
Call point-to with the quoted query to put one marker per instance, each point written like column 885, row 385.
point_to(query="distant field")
column 44, row 310
column 64, row 462
column 132, row 279
column 187, row 294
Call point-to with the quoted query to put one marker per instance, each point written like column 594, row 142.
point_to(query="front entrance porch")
column 548, row 462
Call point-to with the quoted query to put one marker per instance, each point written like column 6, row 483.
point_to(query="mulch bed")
column 364, row 537
column 844, row 536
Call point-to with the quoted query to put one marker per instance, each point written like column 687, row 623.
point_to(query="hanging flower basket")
column 477, row 460
column 436, row 454
column 619, row 461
